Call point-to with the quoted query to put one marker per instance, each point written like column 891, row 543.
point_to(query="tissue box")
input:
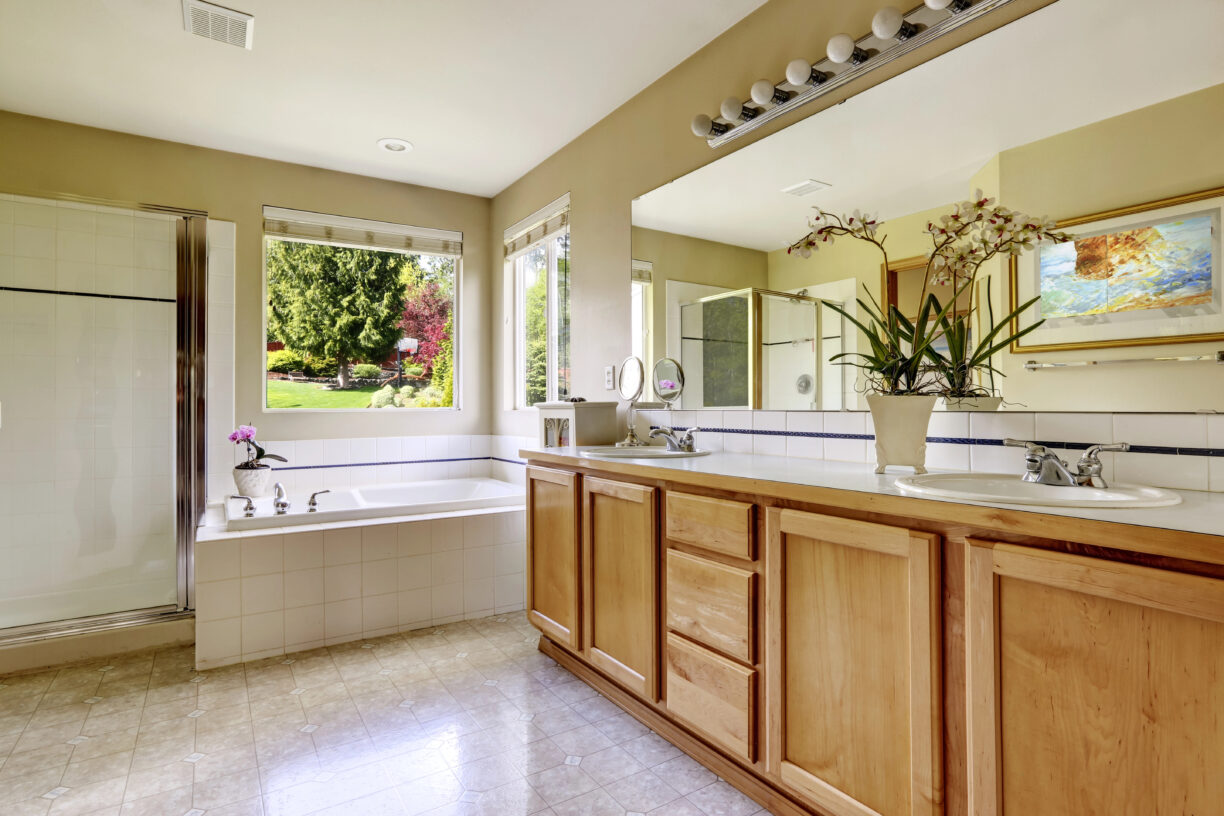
column 577, row 423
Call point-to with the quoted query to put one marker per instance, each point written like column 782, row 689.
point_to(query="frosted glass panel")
column 87, row 389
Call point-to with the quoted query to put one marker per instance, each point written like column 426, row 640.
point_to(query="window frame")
column 456, row 332
column 518, row 322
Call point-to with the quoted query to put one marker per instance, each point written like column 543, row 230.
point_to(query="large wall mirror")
column 1107, row 115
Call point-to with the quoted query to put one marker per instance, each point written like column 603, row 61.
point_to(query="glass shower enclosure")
column 761, row 350
column 101, row 411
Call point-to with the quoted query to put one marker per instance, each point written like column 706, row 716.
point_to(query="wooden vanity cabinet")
column 1095, row 688
column 554, row 555
column 853, row 664
column 620, row 582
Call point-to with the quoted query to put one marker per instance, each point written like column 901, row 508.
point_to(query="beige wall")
column 647, row 142
column 1160, row 151
column 43, row 157
column 681, row 258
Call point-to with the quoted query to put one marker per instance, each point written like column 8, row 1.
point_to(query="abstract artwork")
column 1146, row 274
column 1158, row 266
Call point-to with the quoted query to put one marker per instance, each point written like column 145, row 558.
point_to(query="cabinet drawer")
column 715, row 524
column 713, row 695
column 711, row 603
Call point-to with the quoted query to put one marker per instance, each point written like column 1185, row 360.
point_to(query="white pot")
column 253, row 482
column 901, row 429
column 970, row 403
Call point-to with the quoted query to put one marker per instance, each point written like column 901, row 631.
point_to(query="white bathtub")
column 378, row 501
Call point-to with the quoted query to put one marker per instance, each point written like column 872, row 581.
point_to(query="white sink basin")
column 649, row 452
column 1008, row 488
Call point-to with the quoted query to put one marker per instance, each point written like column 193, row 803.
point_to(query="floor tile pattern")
column 467, row 719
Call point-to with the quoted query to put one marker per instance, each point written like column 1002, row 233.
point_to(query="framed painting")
column 1143, row 275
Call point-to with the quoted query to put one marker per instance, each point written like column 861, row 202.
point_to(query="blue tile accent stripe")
column 398, row 462
column 956, row 440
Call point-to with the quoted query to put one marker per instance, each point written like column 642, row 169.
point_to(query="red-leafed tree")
column 427, row 307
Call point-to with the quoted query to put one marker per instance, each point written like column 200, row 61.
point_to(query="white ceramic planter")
column 253, row 482
column 970, row 403
column 900, row 429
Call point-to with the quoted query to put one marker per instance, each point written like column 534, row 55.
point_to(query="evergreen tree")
column 335, row 301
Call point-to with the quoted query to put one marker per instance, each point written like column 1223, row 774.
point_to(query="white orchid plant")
column 972, row 234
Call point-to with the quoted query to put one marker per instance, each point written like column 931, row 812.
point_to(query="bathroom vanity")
column 831, row 646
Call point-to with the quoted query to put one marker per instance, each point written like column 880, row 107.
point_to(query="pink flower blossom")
column 244, row 433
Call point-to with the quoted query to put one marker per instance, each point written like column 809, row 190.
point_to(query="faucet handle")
column 1093, row 450
column 1020, row 443
column 313, row 504
column 248, row 509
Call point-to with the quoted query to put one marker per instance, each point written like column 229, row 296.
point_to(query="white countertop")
column 1199, row 512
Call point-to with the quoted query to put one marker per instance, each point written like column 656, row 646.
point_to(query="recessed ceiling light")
column 395, row 145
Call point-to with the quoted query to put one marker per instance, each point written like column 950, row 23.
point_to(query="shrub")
column 383, row 398
column 320, row 367
column 284, row 361
column 366, row 371
column 429, row 397
column 414, row 370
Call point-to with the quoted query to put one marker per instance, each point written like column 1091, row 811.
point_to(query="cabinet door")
column 554, row 555
column 852, row 664
column 1094, row 686
column 621, row 583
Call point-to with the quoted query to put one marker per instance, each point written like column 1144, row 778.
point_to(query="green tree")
column 536, row 303
column 444, row 365
column 335, row 301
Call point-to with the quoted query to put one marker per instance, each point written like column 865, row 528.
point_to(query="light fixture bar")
column 930, row 25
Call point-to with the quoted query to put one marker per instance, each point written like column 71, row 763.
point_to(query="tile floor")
column 467, row 719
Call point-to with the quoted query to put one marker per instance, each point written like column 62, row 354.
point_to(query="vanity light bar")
column 918, row 26
column 1218, row 357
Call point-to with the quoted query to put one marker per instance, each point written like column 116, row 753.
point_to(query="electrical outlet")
column 609, row 377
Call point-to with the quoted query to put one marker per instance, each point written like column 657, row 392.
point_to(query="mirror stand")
column 631, row 440
column 630, row 384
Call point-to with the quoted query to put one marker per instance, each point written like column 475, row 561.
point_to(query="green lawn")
column 285, row 394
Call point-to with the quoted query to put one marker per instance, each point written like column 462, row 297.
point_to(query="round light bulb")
column 702, row 125
column 840, row 48
column 887, row 22
column 762, row 92
column 798, row 71
column 732, row 109
column 938, row 5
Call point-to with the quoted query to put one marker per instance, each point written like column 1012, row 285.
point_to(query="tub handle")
column 248, row 510
column 313, row 504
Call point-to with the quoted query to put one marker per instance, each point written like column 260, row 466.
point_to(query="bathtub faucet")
column 279, row 501
column 313, row 504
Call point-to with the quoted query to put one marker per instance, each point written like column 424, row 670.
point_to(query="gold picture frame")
column 1014, row 282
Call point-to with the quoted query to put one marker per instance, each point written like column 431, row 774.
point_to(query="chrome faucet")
column 279, row 501
column 313, row 504
column 682, row 442
column 248, row 509
column 1043, row 466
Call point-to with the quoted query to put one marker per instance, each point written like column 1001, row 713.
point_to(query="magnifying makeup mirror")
column 668, row 381
column 630, row 383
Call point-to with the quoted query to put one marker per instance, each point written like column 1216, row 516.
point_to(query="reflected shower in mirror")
column 1097, row 142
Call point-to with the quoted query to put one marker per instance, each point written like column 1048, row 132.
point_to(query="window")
column 538, row 258
column 640, row 311
column 359, row 314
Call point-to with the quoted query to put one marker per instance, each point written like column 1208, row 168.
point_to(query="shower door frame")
column 191, row 300
column 754, row 296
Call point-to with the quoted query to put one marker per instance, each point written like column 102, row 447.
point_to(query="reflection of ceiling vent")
column 218, row 23
column 805, row 187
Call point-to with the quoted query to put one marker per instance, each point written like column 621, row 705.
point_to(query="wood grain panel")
column 713, row 695
column 1106, row 692
column 621, row 560
column 712, row 603
column 715, row 524
column 853, row 664
column 553, row 555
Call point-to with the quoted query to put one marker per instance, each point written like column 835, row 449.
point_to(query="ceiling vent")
column 805, row 187
column 219, row 23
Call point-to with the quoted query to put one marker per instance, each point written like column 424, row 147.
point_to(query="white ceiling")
column 485, row 89
column 914, row 142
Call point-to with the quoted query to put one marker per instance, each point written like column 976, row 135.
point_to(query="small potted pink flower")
column 253, row 478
